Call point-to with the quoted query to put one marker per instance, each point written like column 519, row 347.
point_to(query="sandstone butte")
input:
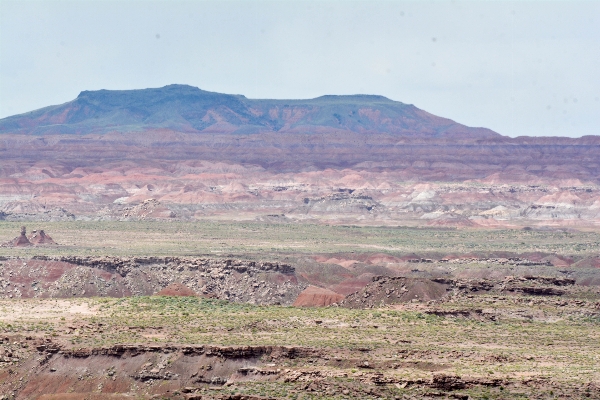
column 40, row 238
column 37, row 238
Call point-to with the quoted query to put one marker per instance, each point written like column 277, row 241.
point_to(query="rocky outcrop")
column 396, row 290
column 148, row 210
column 223, row 352
column 454, row 382
column 22, row 239
column 314, row 296
column 164, row 370
column 19, row 241
column 535, row 285
column 244, row 281
column 40, row 238
column 392, row 290
column 36, row 239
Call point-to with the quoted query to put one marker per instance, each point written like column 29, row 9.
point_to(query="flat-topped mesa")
column 183, row 108
column 238, row 281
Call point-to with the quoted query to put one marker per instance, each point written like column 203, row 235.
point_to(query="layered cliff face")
column 187, row 190
column 180, row 152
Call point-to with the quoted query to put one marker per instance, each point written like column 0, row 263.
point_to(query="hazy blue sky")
column 519, row 68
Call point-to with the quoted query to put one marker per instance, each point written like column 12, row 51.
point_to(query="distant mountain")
column 184, row 152
column 179, row 123
column 187, row 109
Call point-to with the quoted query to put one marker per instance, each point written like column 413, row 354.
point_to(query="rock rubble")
column 255, row 282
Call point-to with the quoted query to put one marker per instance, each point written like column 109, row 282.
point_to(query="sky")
column 519, row 68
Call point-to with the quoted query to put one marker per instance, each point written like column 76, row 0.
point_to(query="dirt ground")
column 44, row 309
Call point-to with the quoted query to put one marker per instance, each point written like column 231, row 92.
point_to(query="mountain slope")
column 183, row 108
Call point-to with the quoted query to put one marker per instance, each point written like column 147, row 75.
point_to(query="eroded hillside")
column 193, row 190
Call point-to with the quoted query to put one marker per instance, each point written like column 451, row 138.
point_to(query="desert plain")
column 174, row 243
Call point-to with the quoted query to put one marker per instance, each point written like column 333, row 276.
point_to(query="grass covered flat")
column 390, row 352
column 136, row 238
column 518, row 315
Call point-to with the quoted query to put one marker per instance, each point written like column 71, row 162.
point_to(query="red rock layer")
column 314, row 296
